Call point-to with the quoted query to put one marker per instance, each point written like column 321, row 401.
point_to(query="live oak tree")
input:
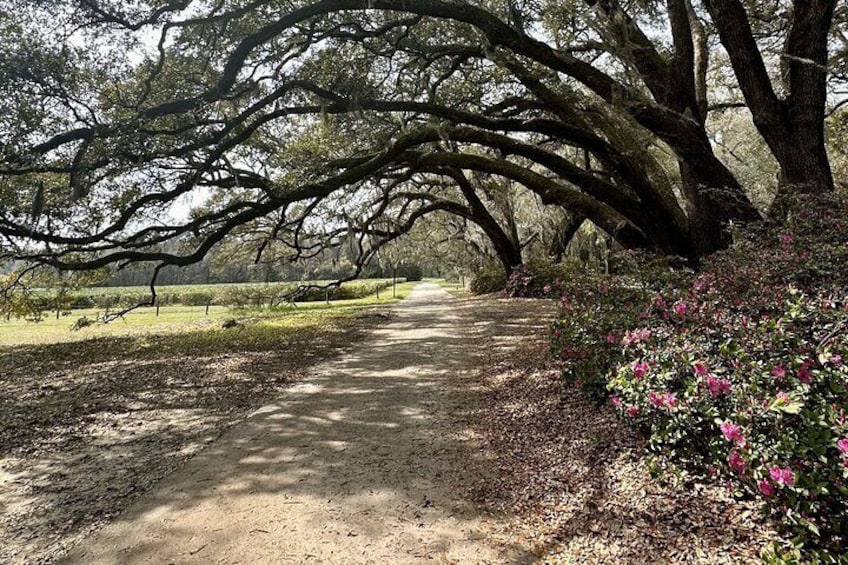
column 128, row 125
column 789, row 109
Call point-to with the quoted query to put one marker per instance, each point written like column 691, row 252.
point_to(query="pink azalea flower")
column 612, row 338
column 778, row 372
column 640, row 368
column 783, row 477
column 635, row 336
column 632, row 410
column 680, row 308
column 732, row 432
column 804, row 374
column 616, row 401
column 836, row 359
column 842, row 445
column 701, row 369
column 663, row 399
column 786, row 239
column 736, row 462
column 717, row 386
column 766, row 488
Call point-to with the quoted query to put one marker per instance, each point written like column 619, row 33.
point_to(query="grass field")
column 179, row 319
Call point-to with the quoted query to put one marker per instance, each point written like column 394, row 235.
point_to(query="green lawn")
column 143, row 322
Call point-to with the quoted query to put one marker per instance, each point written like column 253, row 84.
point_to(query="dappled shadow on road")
column 391, row 449
column 88, row 426
column 363, row 456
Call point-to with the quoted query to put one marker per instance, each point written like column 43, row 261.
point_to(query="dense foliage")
column 152, row 132
column 536, row 279
column 541, row 279
column 738, row 371
column 490, row 279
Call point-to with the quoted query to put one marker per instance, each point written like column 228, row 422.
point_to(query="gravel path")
column 365, row 461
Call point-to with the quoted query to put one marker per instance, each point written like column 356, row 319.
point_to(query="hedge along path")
column 365, row 461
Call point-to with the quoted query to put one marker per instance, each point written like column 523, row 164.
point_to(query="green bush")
column 490, row 279
column 411, row 273
column 252, row 296
column 348, row 291
column 543, row 279
column 738, row 371
column 82, row 302
column 196, row 298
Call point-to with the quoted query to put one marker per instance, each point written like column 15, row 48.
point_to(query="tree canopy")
column 154, row 130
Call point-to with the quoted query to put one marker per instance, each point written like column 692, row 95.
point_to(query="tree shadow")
column 390, row 432
column 365, row 444
column 358, row 429
column 579, row 478
column 88, row 426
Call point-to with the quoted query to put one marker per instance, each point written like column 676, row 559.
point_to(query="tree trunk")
column 793, row 127
column 707, row 221
column 508, row 255
column 563, row 235
column 804, row 169
column 506, row 244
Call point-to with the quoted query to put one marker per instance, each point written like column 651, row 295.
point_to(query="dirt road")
column 362, row 462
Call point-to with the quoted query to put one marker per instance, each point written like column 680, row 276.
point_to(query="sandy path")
column 363, row 462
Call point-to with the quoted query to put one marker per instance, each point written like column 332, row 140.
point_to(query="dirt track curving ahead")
column 362, row 462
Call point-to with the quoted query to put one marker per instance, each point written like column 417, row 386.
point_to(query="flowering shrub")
column 539, row 279
column 490, row 279
column 739, row 371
